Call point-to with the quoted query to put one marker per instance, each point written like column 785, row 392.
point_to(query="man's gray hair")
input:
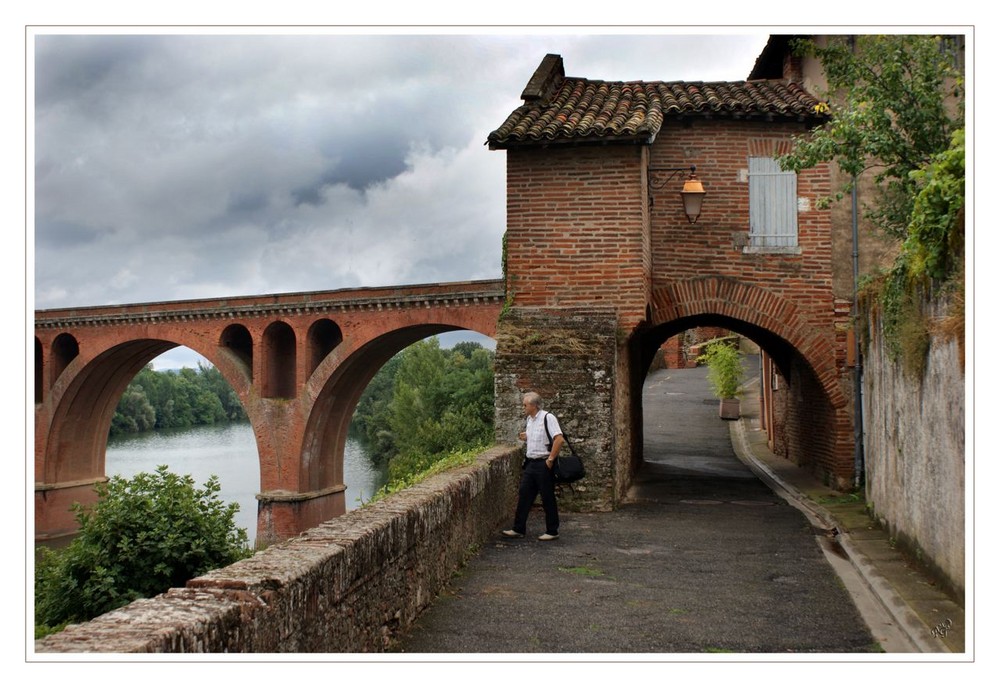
column 533, row 398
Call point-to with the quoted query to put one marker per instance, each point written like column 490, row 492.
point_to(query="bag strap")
column 565, row 438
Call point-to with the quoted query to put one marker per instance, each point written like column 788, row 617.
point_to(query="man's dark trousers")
column 537, row 478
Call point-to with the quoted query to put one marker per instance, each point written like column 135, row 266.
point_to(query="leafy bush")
column 725, row 369
column 144, row 535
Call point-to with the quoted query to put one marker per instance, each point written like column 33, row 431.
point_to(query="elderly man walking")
column 537, row 478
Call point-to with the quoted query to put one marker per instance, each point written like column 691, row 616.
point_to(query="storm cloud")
column 184, row 166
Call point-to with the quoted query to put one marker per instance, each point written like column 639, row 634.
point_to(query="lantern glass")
column 692, row 196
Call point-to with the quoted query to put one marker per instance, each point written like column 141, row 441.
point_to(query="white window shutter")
column 773, row 204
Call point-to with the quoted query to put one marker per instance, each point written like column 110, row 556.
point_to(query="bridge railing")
column 349, row 585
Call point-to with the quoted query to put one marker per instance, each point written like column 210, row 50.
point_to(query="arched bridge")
column 298, row 362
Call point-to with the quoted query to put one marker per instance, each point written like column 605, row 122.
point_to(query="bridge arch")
column 74, row 417
column 82, row 409
column 281, row 354
column 337, row 386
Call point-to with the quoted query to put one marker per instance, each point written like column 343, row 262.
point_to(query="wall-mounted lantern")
column 692, row 194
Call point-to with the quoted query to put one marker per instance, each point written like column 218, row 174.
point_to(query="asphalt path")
column 703, row 559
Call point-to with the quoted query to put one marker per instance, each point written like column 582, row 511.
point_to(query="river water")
column 229, row 452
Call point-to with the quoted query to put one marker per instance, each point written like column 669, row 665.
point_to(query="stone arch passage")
column 811, row 422
column 771, row 318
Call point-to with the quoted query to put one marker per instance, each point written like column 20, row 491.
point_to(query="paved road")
column 704, row 559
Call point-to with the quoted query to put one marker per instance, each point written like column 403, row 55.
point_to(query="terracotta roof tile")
column 581, row 110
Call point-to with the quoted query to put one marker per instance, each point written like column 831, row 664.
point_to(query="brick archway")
column 71, row 429
column 776, row 319
column 816, row 426
column 337, row 387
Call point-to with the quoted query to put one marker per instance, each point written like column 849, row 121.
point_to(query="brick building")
column 600, row 255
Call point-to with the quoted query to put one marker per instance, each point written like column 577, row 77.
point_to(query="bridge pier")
column 54, row 517
column 282, row 515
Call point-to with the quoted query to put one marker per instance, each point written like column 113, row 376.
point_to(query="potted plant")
column 725, row 372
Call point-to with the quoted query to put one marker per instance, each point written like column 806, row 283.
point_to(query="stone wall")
column 573, row 358
column 915, row 450
column 349, row 585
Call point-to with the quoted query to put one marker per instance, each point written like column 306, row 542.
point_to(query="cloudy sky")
column 184, row 166
column 178, row 166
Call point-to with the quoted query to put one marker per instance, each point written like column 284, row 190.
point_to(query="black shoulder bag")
column 568, row 467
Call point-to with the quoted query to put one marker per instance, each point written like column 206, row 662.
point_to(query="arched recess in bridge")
column 817, row 426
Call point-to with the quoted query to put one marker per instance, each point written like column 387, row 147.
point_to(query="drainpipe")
column 859, row 432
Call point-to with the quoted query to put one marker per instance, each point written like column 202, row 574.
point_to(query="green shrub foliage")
column 896, row 108
column 889, row 113
column 144, row 535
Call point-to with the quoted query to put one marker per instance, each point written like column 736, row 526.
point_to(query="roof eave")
column 644, row 140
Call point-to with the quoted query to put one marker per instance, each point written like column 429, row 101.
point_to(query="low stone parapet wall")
column 348, row 585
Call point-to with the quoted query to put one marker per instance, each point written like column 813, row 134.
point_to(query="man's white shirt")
column 538, row 441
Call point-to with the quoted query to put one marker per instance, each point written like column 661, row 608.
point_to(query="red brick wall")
column 817, row 433
column 680, row 250
column 576, row 229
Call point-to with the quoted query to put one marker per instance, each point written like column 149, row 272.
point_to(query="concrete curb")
column 917, row 634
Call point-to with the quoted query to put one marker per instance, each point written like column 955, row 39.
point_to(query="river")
column 229, row 452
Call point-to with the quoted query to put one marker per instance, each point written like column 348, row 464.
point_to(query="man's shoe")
column 546, row 537
column 512, row 534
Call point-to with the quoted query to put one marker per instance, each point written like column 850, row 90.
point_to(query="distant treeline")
column 425, row 403
column 175, row 399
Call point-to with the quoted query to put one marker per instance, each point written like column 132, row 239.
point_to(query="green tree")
column 894, row 103
column 935, row 237
column 134, row 413
column 897, row 108
column 442, row 402
column 427, row 403
column 371, row 416
column 212, row 380
column 144, row 535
